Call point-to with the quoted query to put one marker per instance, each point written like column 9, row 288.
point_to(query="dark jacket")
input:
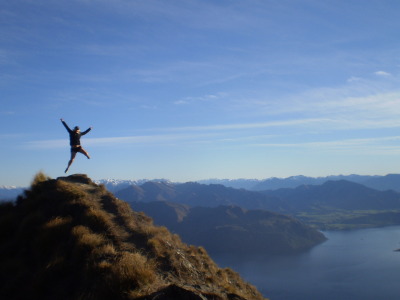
column 74, row 137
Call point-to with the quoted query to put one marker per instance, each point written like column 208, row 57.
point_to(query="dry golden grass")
column 39, row 177
column 136, row 267
column 71, row 192
column 107, row 249
column 98, row 219
column 88, row 238
column 131, row 273
column 92, row 239
column 57, row 222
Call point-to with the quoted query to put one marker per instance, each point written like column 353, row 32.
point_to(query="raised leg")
column 84, row 152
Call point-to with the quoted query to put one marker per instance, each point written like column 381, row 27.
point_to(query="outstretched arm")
column 65, row 125
column 87, row 130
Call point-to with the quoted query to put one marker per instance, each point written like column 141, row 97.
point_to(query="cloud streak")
column 205, row 98
column 116, row 141
column 363, row 99
column 228, row 133
column 382, row 73
column 381, row 145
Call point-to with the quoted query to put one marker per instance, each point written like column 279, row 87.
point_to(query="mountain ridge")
column 341, row 194
column 232, row 229
column 280, row 200
column 348, row 201
column 379, row 182
column 196, row 194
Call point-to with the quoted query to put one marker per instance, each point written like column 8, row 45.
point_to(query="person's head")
column 76, row 128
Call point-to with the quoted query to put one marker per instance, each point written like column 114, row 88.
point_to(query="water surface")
column 357, row 264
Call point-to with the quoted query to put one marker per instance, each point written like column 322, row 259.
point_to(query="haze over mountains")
column 378, row 182
column 340, row 194
column 387, row 182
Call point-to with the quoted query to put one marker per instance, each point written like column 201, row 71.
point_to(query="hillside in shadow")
column 232, row 229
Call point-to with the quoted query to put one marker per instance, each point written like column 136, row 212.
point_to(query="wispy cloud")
column 115, row 141
column 384, row 145
column 205, row 98
column 353, row 79
column 244, row 126
column 46, row 144
column 382, row 73
column 366, row 100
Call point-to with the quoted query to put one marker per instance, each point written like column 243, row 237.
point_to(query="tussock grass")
column 87, row 238
column 105, row 250
column 57, row 222
column 39, row 177
column 98, row 219
column 135, row 268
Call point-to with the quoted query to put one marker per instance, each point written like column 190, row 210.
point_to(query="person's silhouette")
column 75, row 142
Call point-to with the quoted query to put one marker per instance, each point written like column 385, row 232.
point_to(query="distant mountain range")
column 247, row 184
column 382, row 183
column 332, row 205
column 340, row 194
column 9, row 192
column 114, row 185
column 196, row 194
column 378, row 182
column 327, row 202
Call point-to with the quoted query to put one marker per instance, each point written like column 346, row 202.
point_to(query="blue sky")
column 189, row 90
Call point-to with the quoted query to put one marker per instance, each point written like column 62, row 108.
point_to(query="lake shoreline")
column 351, row 264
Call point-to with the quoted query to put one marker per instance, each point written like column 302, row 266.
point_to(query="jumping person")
column 75, row 142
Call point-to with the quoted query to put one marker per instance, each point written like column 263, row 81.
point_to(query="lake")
column 356, row 264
